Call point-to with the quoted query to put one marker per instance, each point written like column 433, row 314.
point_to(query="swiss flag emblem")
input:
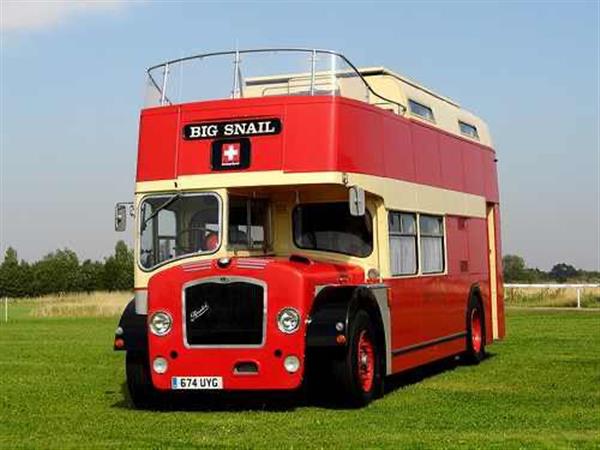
column 230, row 154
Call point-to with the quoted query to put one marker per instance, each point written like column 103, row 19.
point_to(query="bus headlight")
column 160, row 323
column 288, row 320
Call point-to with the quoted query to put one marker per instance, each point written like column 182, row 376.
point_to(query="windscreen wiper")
column 169, row 201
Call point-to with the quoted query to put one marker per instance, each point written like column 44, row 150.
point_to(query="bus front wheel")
column 139, row 383
column 359, row 371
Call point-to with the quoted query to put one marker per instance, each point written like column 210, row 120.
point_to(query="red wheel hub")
column 476, row 334
column 366, row 361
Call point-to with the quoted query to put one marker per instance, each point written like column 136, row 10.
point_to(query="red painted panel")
column 478, row 251
column 405, row 307
column 451, row 163
column 473, row 169
column 309, row 130
column 424, row 309
column 399, row 156
column 457, row 245
column 359, row 140
column 427, row 155
column 157, row 141
column 490, row 177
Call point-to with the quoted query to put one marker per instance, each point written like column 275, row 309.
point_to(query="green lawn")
column 61, row 387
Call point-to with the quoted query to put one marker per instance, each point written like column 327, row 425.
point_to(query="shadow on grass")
column 418, row 374
column 280, row 402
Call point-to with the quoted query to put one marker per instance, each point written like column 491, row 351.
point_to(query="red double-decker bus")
column 299, row 219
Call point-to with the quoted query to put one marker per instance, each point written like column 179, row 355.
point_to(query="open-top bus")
column 299, row 219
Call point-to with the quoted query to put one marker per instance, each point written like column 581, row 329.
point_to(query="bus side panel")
column 457, row 245
column 360, row 143
column 451, row 159
column 427, row 155
column 479, row 266
column 399, row 155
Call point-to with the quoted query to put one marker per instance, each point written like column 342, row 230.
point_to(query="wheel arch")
column 334, row 304
column 132, row 329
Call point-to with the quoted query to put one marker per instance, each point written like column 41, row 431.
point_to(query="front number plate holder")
column 196, row 383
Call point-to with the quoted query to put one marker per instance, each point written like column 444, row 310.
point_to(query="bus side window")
column 403, row 243
column 431, row 230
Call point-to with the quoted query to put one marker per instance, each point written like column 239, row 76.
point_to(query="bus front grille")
column 224, row 312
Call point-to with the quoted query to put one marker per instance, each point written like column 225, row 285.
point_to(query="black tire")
column 475, row 332
column 142, row 393
column 346, row 370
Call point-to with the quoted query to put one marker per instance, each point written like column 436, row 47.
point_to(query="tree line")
column 62, row 271
column 516, row 271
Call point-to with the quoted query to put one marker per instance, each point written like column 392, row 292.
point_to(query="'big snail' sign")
column 239, row 128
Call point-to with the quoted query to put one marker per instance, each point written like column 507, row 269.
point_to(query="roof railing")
column 268, row 71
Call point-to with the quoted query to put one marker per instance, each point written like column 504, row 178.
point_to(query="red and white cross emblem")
column 230, row 154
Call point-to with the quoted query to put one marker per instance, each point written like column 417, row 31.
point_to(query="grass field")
column 78, row 304
column 61, row 387
column 552, row 297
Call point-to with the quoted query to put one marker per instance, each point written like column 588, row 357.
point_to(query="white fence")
column 578, row 288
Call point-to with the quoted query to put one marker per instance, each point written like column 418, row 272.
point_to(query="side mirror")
column 120, row 217
column 356, row 200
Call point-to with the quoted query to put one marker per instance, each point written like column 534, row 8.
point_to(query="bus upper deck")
column 321, row 120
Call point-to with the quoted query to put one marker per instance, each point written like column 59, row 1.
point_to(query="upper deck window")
column 468, row 130
column 331, row 228
column 420, row 110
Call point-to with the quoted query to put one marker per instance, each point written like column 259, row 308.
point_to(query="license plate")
column 196, row 382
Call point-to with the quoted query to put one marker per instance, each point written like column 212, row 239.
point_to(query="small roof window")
column 468, row 130
column 420, row 110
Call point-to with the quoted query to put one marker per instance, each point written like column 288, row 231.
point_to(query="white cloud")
column 30, row 15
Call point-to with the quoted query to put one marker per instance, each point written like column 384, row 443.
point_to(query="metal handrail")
column 237, row 53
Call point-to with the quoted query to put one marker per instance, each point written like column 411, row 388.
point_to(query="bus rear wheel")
column 358, row 372
column 142, row 393
column 475, row 332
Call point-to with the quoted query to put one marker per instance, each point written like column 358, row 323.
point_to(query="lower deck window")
column 403, row 243
column 330, row 227
column 431, row 230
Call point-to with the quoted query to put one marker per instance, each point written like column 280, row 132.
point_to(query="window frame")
column 250, row 246
column 412, row 102
column 367, row 213
column 462, row 123
column 441, row 236
column 400, row 234
column 166, row 195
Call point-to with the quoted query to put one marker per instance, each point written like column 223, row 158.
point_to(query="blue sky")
column 72, row 81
